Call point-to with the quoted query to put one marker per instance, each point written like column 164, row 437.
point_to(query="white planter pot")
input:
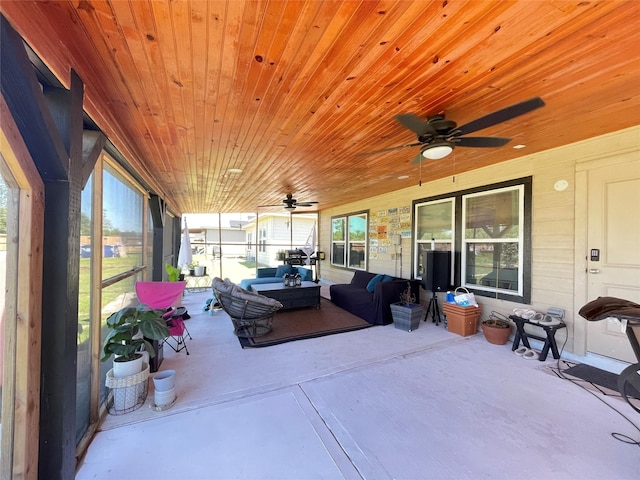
column 145, row 357
column 165, row 380
column 198, row 271
column 162, row 399
column 126, row 369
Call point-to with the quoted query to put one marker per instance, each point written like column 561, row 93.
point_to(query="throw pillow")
column 305, row 273
column 371, row 286
column 387, row 278
column 282, row 270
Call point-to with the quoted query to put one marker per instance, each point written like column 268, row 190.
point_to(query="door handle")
column 594, row 270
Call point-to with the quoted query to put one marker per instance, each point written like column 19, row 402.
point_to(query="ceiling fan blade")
column 276, row 205
column 501, row 116
column 415, row 124
column 481, row 141
column 390, row 149
column 305, row 204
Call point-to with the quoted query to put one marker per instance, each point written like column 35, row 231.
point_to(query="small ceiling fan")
column 290, row 203
column 438, row 136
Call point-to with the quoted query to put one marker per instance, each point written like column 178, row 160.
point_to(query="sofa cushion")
column 361, row 279
column 266, row 272
column 356, row 300
column 371, row 286
column 282, row 270
column 247, row 282
column 305, row 273
column 224, row 286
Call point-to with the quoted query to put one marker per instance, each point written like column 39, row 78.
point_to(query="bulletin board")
column 383, row 224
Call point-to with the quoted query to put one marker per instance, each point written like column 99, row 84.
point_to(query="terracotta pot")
column 496, row 332
column 462, row 320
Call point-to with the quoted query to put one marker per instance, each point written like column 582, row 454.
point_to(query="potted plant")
column 130, row 329
column 192, row 268
column 199, row 270
column 174, row 274
column 407, row 313
column 496, row 329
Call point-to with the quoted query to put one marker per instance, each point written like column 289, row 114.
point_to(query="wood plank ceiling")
column 293, row 92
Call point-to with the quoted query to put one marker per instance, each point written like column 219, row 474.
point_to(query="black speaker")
column 436, row 274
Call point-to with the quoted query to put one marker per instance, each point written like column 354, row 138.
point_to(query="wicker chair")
column 251, row 313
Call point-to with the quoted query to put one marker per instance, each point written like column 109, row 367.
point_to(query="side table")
column 198, row 284
column 549, row 342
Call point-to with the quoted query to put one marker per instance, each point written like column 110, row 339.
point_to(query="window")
column 262, row 239
column 21, row 219
column 83, row 361
column 122, row 223
column 7, row 331
column 338, row 237
column 349, row 240
column 434, row 222
column 491, row 240
column 488, row 232
column 122, row 226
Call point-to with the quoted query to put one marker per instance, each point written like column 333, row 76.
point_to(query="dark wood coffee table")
column 306, row 295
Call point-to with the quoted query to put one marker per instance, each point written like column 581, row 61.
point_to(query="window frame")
column 346, row 242
column 525, row 212
column 440, row 244
column 470, row 241
column 23, row 340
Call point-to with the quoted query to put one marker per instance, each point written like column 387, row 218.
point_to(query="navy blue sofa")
column 374, row 307
column 275, row 274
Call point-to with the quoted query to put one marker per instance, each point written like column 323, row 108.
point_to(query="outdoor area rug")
column 594, row 375
column 599, row 377
column 302, row 323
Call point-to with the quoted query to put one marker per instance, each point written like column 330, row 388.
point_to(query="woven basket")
column 127, row 394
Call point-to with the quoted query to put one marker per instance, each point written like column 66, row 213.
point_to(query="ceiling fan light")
column 289, row 207
column 436, row 152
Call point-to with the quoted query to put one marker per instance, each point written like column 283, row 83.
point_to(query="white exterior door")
column 613, row 256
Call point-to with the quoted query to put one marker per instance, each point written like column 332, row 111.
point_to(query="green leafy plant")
column 193, row 264
column 173, row 273
column 126, row 325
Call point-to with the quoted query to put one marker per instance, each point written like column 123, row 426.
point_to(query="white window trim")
column 451, row 242
column 519, row 239
column 347, row 240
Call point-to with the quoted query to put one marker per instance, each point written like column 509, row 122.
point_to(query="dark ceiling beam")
column 93, row 142
column 23, row 95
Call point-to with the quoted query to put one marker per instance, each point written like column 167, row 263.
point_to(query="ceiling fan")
column 290, row 203
column 438, row 136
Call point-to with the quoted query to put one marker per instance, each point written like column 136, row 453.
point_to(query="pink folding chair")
column 163, row 296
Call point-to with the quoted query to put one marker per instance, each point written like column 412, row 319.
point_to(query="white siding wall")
column 556, row 272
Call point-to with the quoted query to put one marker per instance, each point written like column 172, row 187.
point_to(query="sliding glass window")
column 122, row 240
column 83, row 365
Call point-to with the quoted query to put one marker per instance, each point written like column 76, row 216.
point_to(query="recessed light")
column 234, row 170
column 402, row 177
column 519, row 146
